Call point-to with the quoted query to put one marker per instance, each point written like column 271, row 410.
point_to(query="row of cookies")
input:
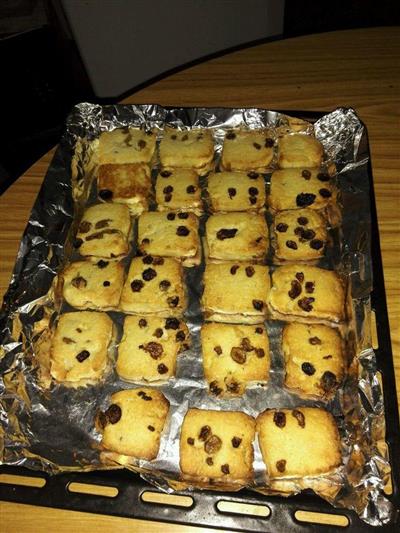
column 217, row 446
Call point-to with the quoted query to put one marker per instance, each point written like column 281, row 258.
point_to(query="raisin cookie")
column 236, row 191
column 247, row 150
column 187, row 149
column 299, row 150
column 178, row 189
column 127, row 145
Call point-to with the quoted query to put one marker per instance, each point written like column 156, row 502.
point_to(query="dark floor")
column 43, row 76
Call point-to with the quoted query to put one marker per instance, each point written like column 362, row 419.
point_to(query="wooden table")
column 357, row 68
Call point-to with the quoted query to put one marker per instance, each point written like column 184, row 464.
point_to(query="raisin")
column 165, row 173
column 151, row 428
column 84, row 354
column 299, row 417
column 158, row 261
column 158, row 333
column 246, row 345
column 269, row 143
column 113, row 413
column 316, row 244
column 295, row 290
column 225, row 469
column 282, row 227
column 79, row 282
column 232, row 387
column 252, row 200
column 314, row 340
column 100, row 224
column 209, row 461
column 154, row 348
column 223, row 234
column 291, row 244
column 137, row 285
column 149, row 274
column 230, row 135
column 213, row 444
column 173, row 137
column 182, row 231
column 258, row 305
column 218, row 350
column 142, row 323
column 144, row 396
column 190, row 441
column 214, row 389
column 105, row 194
column 180, row 336
column 168, row 189
column 325, row 193
column 308, row 369
column 67, row 340
column 231, row 192
column 253, row 191
column 302, row 221
column 190, row 189
column 310, row 286
column 281, row 465
column 238, row 355
column 164, row 285
column 171, row 216
column 162, row 369
column 185, row 137
column 145, row 241
column 173, row 301
column 327, row 357
column 306, row 174
column 205, row 433
column 141, row 144
column 322, row 176
column 84, row 226
column 183, row 216
column 249, row 271
column 172, row 323
column 280, row 419
column 78, row 243
column 260, row 353
column 234, row 268
column 257, row 146
column 328, row 381
column 102, row 264
column 106, row 283
column 305, row 304
column 236, row 442
column 147, row 260
column 300, row 276
column 259, row 330
column 168, row 197
column 308, row 234
column 305, row 198
column 252, row 175
column 299, row 231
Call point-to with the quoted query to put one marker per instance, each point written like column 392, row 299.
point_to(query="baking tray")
column 131, row 494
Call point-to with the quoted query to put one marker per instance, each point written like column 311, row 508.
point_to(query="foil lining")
column 50, row 427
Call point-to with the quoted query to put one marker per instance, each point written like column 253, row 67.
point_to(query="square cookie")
column 301, row 187
column 128, row 184
column 299, row 235
column 314, row 360
column 306, row 293
column 170, row 235
column 235, row 292
column 187, row 149
column 299, row 150
column 133, row 422
column 236, row 236
column 127, row 145
column 104, row 231
column 233, row 356
column 298, row 442
column 150, row 346
column 217, row 445
column 236, row 191
column 80, row 348
column 154, row 286
column 88, row 285
column 247, row 150
column 178, row 189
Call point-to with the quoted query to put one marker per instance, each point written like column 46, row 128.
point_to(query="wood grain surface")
column 357, row 68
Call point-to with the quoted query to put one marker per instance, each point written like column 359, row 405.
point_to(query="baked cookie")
column 150, row 346
column 299, row 235
column 80, row 348
column 299, row 150
column 133, row 423
column 88, row 285
column 233, row 356
column 314, row 360
column 104, row 231
column 128, row 184
column 236, row 236
column 170, row 235
column 235, row 292
column 178, row 189
column 218, row 446
column 154, row 286
column 236, row 191
column 301, row 187
column 298, row 442
column 187, row 149
column 247, row 150
column 306, row 293
column 127, row 145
